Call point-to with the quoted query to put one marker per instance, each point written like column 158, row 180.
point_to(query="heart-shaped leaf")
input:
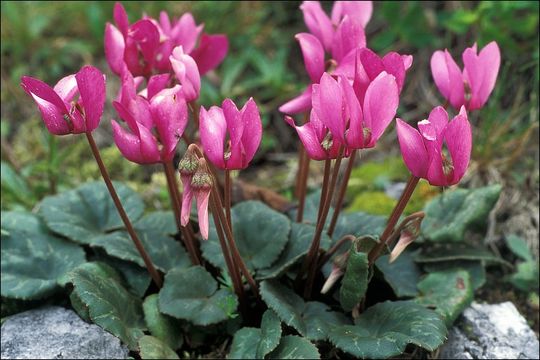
column 355, row 280
column 477, row 272
column 153, row 348
column 33, row 260
column 243, row 344
column 270, row 333
column 311, row 319
column 519, row 247
column 402, row 275
column 260, row 234
column 136, row 278
column 385, row 329
column 448, row 292
column 452, row 252
column 300, row 239
column 161, row 326
column 192, row 294
column 450, row 214
column 295, row 347
column 88, row 211
column 109, row 304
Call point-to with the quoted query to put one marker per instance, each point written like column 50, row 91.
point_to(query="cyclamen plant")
column 291, row 267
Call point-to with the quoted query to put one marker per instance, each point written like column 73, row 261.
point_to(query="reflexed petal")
column 318, row 22
column 212, row 129
column 308, row 135
column 211, row 51
column 187, row 73
column 313, row 53
column 412, row 149
column 393, row 64
column 202, row 197
column 52, row 117
column 187, row 199
column 156, row 83
column 447, row 77
column 114, row 48
column 438, row 117
column 66, row 88
column 327, row 101
column 407, row 61
column 235, row 127
column 165, row 22
column 299, row 104
column 186, row 32
column 252, row 134
column 489, row 61
column 360, row 10
column 371, row 62
column 127, row 143
column 348, row 36
column 91, row 84
column 380, row 105
column 169, row 111
column 43, row 91
column 146, row 34
column 121, row 18
column 458, row 137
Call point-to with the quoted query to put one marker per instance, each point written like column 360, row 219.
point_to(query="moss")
column 373, row 202
column 374, row 175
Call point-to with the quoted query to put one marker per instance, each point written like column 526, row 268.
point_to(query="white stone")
column 57, row 333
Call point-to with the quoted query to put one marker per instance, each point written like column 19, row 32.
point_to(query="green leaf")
column 88, row 211
column 260, row 233
column 402, row 275
column 527, row 276
column 385, row 329
column 15, row 185
column 270, row 333
column 136, row 278
column 355, row 280
column 300, row 239
column 477, row 272
column 33, row 260
column 519, row 247
column 448, row 292
column 161, row 326
column 153, row 348
column 192, row 294
column 450, row 214
column 311, row 319
column 457, row 252
column 243, row 344
column 109, row 304
column 295, row 347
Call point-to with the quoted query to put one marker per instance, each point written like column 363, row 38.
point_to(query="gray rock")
column 394, row 190
column 491, row 332
column 57, row 333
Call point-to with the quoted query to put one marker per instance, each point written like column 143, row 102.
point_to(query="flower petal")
column 212, row 129
column 360, row 10
column 130, row 145
column 412, row 149
column 318, row 22
column 380, row 105
column 438, row 117
column 348, row 36
column 355, row 131
column 91, row 84
column 187, row 199
column 186, row 32
column 156, row 83
column 313, row 53
column 43, row 91
column 447, row 77
column 211, row 51
column 458, row 137
column 187, row 73
column 169, row 111
column 482, row 71
column 299, row 104
column 235, row 127
column 308, row 135
column 327, row 101
column 202, row 196
column 121, row 18
column 66, row 88
column 252, row 134
column 393, row 64
column 114, row 48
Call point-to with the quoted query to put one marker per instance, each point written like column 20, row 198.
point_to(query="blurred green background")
column 48, row 40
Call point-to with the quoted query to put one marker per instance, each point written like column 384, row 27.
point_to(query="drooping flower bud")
column 187, row 167
column 201, row 186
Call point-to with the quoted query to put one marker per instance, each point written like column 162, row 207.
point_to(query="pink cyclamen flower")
column 244, row 128
column 169, row 115
column 424, row 150
column 145, row 46
column 356, row 123
column 201, row 187
column 187, row 73
column 472, row 87
column 74, row 105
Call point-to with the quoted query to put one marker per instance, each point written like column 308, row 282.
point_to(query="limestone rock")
column 491, row 332
column 57, row 333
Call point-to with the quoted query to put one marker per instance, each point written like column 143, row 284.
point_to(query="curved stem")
column 341, row 194
column 333, row 249
column 149, row 265
column 393, row 219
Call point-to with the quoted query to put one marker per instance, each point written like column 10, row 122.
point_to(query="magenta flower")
column 168, row 112
column 472, row 87
column 145, row 46
column 187, row 73
column 357, row 123
column 243, row 127
column 201, row 186
column 360, row 10
column 424, row 150
column 74, row 105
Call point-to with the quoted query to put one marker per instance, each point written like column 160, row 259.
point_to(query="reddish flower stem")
column 333, row 249
column 393, row 219
column 302, row 177
column 176, row 204
column 341, row 194
column 320, row 226
column 227, row 189
column 149, row 266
